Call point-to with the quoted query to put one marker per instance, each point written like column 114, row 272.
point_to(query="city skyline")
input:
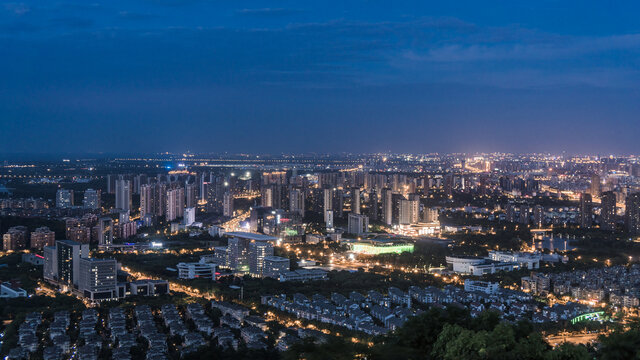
column 151, row 76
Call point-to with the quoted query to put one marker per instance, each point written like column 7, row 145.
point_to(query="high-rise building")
column 355, row 200
column 175, row 203
column 586, row 210
column 632, row 213
column 266, row 196
column 409, row 210
column 511, row 213
column 596, row 186
column 64, row 198
column 328, row 215
column 327, row 202
column 91, row 199
column 191, row 192
column 123, row 194
column 105, row 231
column 274, row 265
column 296, row 201
column 67, row 256
column 147, row 200
column 608, row 210
column 258, row 250
column 227, row 204
column 42, row 237
column 372, row 206
column 97, row 278
column 15, row 238
column 189, row 216
column 538, row 216
column 524, row 215
column 387, row 206
column 357, row 224
column 431, row 215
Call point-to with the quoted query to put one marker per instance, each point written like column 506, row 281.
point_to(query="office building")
column 357, row 224
column 64, row 198
column 62, row 262
column 258, row 250
column 91, row 199
column 197, row 270
column 16, row 238
column 97, row 278
column 608, row 210
column 42, row 237
column 123, row 194
column 274, row 265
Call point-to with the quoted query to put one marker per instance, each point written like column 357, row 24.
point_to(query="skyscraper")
column 123, row 194
column 608, row 210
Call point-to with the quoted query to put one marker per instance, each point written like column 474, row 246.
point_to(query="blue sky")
column 331, row 76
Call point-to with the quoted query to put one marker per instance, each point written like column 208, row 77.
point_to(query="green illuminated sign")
column 593, row 316
column 371, row 249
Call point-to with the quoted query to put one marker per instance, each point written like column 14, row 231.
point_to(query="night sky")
column 332, row 76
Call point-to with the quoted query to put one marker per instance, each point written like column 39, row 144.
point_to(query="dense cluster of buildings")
column 615, row 285
column 67, row 265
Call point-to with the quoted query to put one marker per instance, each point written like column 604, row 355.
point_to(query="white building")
column 258, row 251
column 481, row 286
column 530, row 260
column 196, row 270
column 189, row 216
column 123, row 194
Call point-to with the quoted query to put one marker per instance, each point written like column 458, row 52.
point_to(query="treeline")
column 451, row 334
